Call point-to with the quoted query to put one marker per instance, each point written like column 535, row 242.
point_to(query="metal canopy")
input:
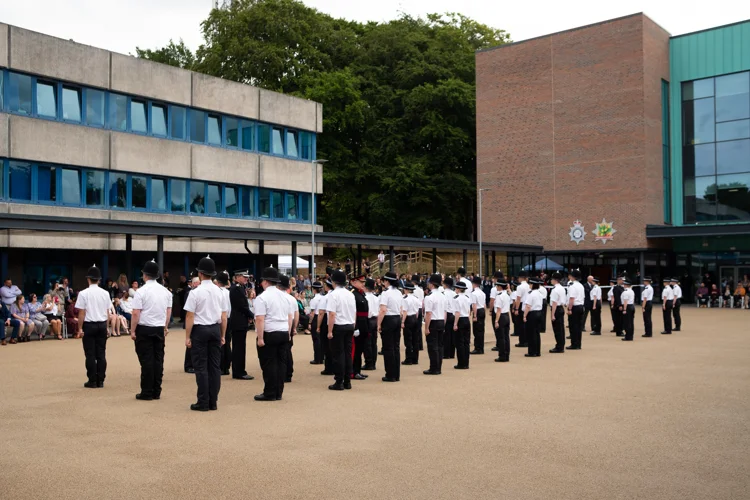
column 697, row 231
column 108, row 226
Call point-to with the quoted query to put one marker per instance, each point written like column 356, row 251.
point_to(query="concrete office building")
column 616, row 146
column 88, row 134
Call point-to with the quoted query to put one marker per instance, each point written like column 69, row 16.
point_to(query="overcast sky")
column 122, row 25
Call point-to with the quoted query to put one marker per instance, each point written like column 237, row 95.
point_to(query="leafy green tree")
column 174, row 54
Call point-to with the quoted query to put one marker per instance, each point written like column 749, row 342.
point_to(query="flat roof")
column 711, row 29
column 698, row 230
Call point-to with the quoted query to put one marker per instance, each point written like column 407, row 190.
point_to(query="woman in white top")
column 52, row 312
column 532, row 316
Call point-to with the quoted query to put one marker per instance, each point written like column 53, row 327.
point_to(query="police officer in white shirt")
column 628, row 310
column 324, row 328
column 389, row 327
column 419, row 294
column 676, row 304
column 222, row 281
column 283, row 285
column 449, row 346
column 521, row 290
column 462, row 326
column 93, row 304
column 342, row 316
column 205, row 327
column 575, row 308
column 532, row 316
column 410, row 323
column 317, row 353
column 667, row 301
column 272, row 324
column 152, row 308
column 373, row 306
column 434, row 324
column 647, row 297
column 596, row 307
column 611, row 300
column 557, row 302
column 501, row 304
column 498, row 276
column 544, row 293
column 461, row 276
column 478, row 311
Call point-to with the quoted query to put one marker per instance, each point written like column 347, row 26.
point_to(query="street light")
column 481, row 255
column 314, row 164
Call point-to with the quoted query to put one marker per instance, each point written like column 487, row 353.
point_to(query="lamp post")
column 481, row 255
column 315, row 164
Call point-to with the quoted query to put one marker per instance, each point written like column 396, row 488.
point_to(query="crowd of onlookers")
column 725, row 293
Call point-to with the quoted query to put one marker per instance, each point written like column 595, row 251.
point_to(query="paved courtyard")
column 660, row 418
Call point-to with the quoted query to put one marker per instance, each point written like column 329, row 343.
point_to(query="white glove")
column 356, row 333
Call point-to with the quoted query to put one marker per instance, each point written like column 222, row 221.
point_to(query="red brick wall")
column 567, row 129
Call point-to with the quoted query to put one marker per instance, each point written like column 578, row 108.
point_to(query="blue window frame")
column 213, row 199
column 305, row 146
column 118, row 190
column 138, row 192
column 20, row 94
column 248, row 202
column 197, row 126
column 264, row 203
column 158, row 195
column 70, row 186
column 159, row 120
column 138, row 116
column 304, row 205
column 248, row 135
column 19, row 180
column 46, row 99
column 178, row 189
column 292, row 210
column 95, row 107
column 214, row 129
column 277, row 205
column 231, row 201
column 277, row 141
column 178, row 119
column 2, row 91
column 71, row 104
column 197, row 197
column 232, row 126
column 291, row 144
column 95, row 188
column 118, row 112
column 46, row 184
column 264, row 138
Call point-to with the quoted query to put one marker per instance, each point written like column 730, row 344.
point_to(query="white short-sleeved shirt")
column 667, row 293
column 207, row 303
column 502, row 302
column 95, row 301
column 677, row 291
column 543, row 292
column 521, row 291
column 558, row 295
column 450, row 303
column 479, row 298
column 126, row 305
column 293, row 307
column 392, row 300
column 462, row 305
column 467, row 282
column 628, row 295
column 373, row 303
column 152, row 300
column 596, row 293
column 320, row 307
column 577, row 293
column 342, row 302
column 274, row 308
column 227, row 302
column 435, row 303
column 647, row 294
column 314, row 303
column 611, row 293
column 419, row 294
column 493, row 293
column 534, row 299
column 410, row 305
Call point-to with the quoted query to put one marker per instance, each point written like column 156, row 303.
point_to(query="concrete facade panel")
column 287, row 110
column 136, row 153
column 217, row 94
column 43, row 140
column 224, row 165
column 4, row 142
column 3, row 45
column 150, row 79
column 71, row 241
column 46, row 55
column 37, row 209
column 280, row 173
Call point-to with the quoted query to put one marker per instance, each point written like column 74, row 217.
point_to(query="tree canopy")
column 398, row 105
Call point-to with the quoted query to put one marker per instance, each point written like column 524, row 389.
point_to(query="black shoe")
column 359, row 376
column 313, row 362
column 225, row 372
column 495, row 349
column 476, row 352
column 263, row 397
column 647, row 336
column 141, row 397
column 522, row 345
column 288, row 380
column 326, row 373
column 594, row 333
column 568, row 337
column 666, row 333
column 190, row 370
column 380, row 353
column 406, row 362
column 514, row 335
column 611, row 331
column 244, row 377
column 583, row 331
column 338, row 386
column 675, row 329
column 627, row 340
column 429, row 372
column 197, row 407
column 213, row 408
column 461, row 367
column 157, row 396
column 387, row 379
column 620, row 335
column 90, row 385
column 100, row 384
column 531, row 355
column 557, row 351
column 571, row 348
column 501, row 360
column 368, row 368
column 347, row 385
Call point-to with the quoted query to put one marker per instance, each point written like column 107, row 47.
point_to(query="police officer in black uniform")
column 238, row 324
column 361, row 326
column 617, row 291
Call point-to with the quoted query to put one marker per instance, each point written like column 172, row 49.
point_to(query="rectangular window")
column 118, row 190
column 230, row 199
column 46, row 99
column 197, row 198
column 264, row 203
column 264, row 138
column 94, row 107
column 138, row 194
column 70, row 186
column 178, row 197
column 214, row 130
column 666, row 153
column 277, row 144
column 733, row 97
column 213, row 199
column 20, row 181
column 2, row 89
column 19, row 93
column 305, row 207
column 233, row 129
column 118, row 112
column 277, row 205
column 698, row 89
column 71, row 104
column 733, row 198
column 138, row 116
column 94, row 188
column 197, row 126
column 305, row 145
column 700, row 199
column 699, row 160
column 292, row 211
column 699, row 121
column 291, row 143
column 177, row 128
column 729, row 131
column 46, row 184
column 248, row 135
column 733, row 157
column 159, row 119
column 158, row 194
column 248, row 202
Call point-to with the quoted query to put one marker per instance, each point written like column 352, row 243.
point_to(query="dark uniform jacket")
column 587, row 302
column 617, row 293
column 240, row 308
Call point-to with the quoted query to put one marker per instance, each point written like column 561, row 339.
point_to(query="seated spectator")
column 41, row 323
column 122, row 285
column 8, row 320
column 66, row 288
column 126, row 311
column 739, row 296
column 702, row 295
column 727, row 296
column 714, row 295
column 20, row 312
column 52, row 313
column 113, row 289
column 133, row 289
column 113, row 321
column 57, row 293
column 71, row 316
column 9, row 292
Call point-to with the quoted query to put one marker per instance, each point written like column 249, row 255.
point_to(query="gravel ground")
column 660, row 418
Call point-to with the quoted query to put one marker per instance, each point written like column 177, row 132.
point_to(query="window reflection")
column 138, row 194
column 197, row 198
column 138, row 119
column 158, row 194
column 177, row 202
column 158, row 120
column 94, row 188
column 71, row 100
column 95, row 108
column 46, row 99
column 118, row 190
column 71, row 186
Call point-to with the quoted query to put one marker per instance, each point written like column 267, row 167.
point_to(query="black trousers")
column 411, row 339
column 420, row 342
column 449, row 346
column 317, row 351
column 612, row 310
column 188, row 359
column 628, row 320
column 533, row 324
column 271, row 357
column 618, row 319
column 647, row 326
column 288, row 358
column 360, row 344
column 435, row 345
column 586, row 310
column 462, row 339
column 226, row 352
column 390, row 331
column 676, row 314
column 341, row 351
column 520, row 327
column 502, row 336
column 558, row 326
column 149, row 346
column 479, row 329
column 667, row 314
column 371, row 350
column 596, row 319
column 239, row 353
column 575, row 326
column 206, row 354
column 543, row 321
column 95, row 349
column 325, row 348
